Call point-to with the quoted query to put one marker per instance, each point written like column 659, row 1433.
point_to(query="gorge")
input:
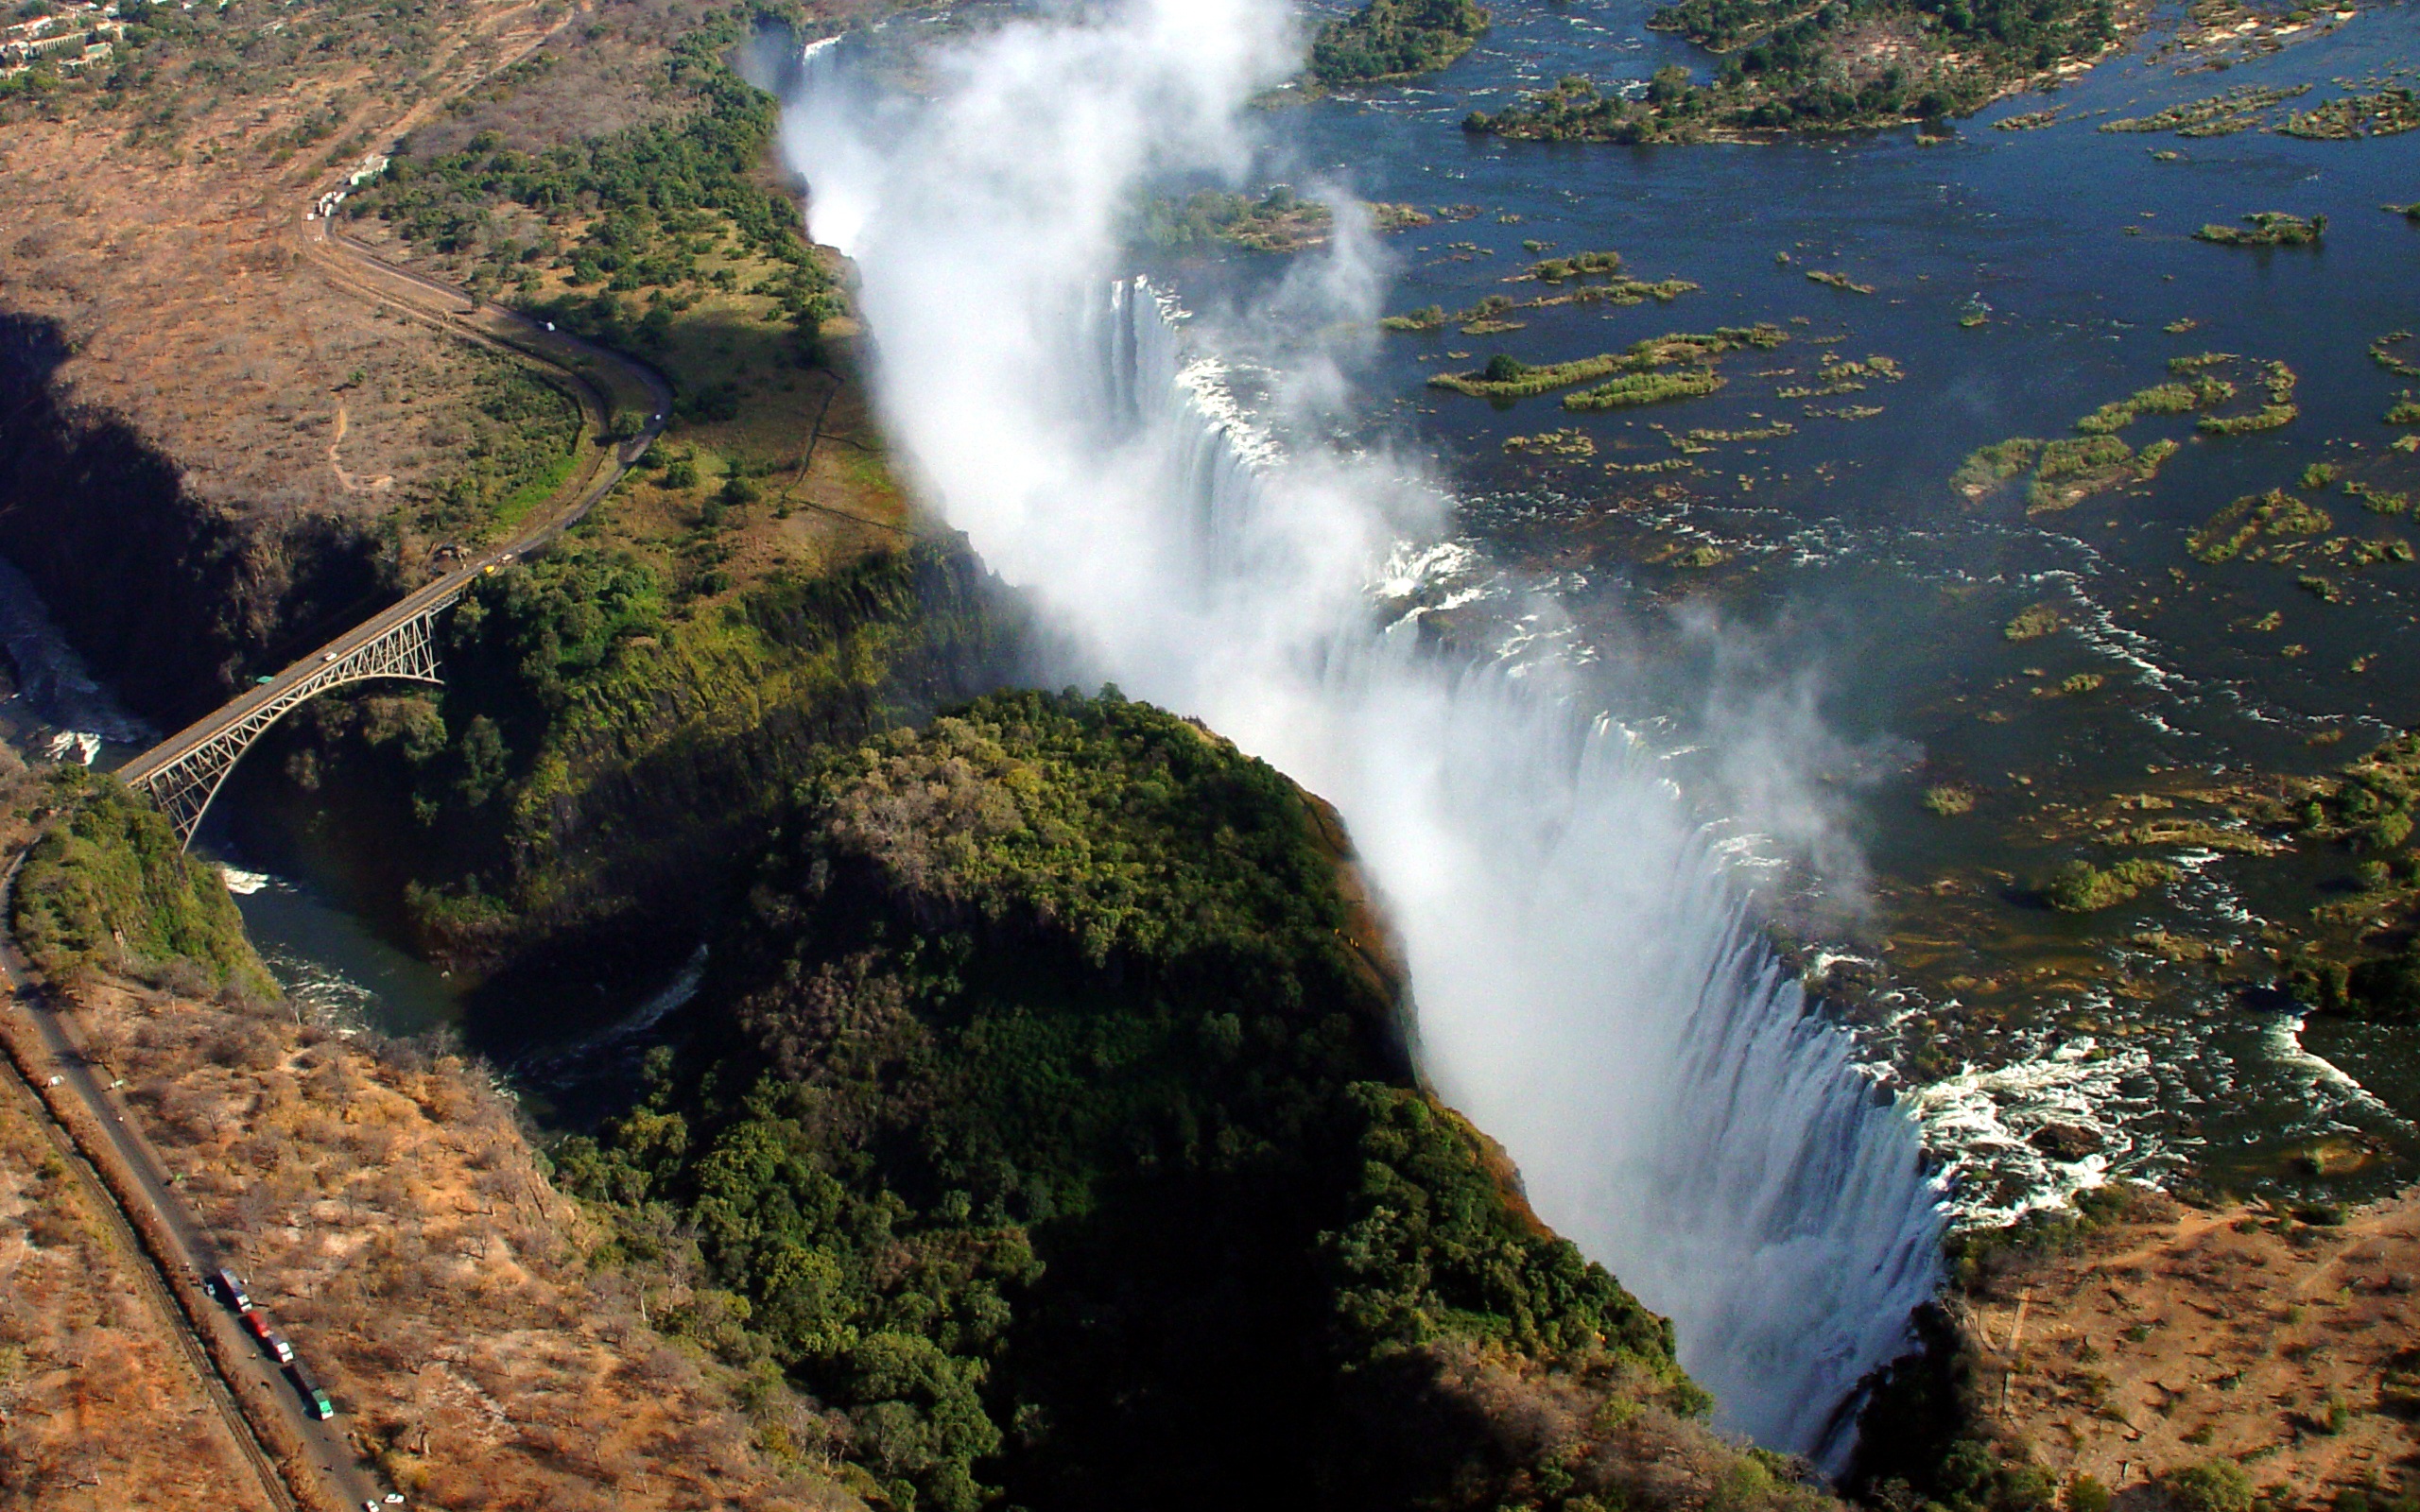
column 1587, row 988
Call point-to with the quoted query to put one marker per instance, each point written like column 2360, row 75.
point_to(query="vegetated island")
column 1842, row 65
column 1582, row 277
column 1623, row 379
column 2067, row 471
column 1395, row 39
column 1280, row 220
column 2266, row 228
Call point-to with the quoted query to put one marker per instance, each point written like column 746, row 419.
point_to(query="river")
column 1852, row 601
column 1861, row 600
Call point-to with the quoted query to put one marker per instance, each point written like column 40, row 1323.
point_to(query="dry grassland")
column 387, row 1211
column 100, row 1410
column 161, row 236
column 2182, row 1336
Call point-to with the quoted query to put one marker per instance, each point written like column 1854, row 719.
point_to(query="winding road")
column 244, row 1382
column 603, row 381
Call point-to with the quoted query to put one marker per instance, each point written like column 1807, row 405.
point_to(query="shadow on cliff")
column 173, row 599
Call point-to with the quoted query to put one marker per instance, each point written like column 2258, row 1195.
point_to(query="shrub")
column 2214, row 1485
column 2080, row 887
column 2033, row 622
column 1387, row 39
column 109, row 885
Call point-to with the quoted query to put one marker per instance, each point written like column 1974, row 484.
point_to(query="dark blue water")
column 1854, row 579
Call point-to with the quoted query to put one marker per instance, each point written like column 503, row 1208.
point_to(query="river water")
column 1861, row 598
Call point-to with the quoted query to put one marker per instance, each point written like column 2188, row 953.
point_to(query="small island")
column 1395, row 39
column 1832, row 67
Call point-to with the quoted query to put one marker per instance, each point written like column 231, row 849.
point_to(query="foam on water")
column 1591, row 990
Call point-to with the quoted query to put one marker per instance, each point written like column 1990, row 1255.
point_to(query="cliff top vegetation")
column 1047, row 1122
column 107, row 887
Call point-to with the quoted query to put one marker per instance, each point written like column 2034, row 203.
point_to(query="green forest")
column 1841, row 65
column 1047, row 1119
column 1390, row 39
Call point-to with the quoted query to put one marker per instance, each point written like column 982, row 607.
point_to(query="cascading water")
column 1588, row 989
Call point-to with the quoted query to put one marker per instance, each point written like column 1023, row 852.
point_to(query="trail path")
column 351, row 483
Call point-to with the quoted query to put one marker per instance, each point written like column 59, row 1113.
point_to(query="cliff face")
column 571, row 807
column 171, row 599
column 1047, row 1122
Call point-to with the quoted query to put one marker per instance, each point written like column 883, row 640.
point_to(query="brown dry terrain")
column 215, row 450
column 386, row 1209
column 2176, row 1336
column 99, row 1409
column 161, row 245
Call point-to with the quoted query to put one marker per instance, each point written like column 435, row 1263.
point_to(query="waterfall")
column 1589, row 988
column 1676, row 1107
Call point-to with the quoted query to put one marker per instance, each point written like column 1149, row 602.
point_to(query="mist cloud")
column 1587, row 990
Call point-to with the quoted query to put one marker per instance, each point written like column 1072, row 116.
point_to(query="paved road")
column 155, row 1288
column 456, row 310
column 345, row 1478
column 258, row 1380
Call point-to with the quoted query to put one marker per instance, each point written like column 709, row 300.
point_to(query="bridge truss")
column 183, row 774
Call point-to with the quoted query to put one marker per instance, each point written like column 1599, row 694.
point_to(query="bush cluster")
column 1047, row 1124
column 107, row 887
column 1388, row 39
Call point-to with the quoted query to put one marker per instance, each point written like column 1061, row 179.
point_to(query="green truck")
column 315, row 1400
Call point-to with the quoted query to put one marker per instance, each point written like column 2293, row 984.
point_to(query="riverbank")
column 2276, row 1338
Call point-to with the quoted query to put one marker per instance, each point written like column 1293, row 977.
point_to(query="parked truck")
column 315, row 1400
column 231, row 1291
column 256, row 1323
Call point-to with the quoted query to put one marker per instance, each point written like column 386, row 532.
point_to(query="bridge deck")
column 184, row 772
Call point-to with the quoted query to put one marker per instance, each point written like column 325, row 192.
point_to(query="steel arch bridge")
column 184, row 772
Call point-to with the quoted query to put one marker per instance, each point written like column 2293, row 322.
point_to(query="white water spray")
column 1588, row 991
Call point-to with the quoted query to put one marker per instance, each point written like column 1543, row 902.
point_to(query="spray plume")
column 1588, row 991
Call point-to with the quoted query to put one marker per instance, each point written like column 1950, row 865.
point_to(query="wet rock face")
column 2064, row 1142
column 170, row 600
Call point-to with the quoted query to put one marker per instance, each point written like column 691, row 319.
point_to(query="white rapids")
column 1590, row 989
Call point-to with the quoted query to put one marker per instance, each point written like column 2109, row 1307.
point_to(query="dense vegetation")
column 2367, row 809
column 603, row 742
column 1047, row 1120
column 634, row 211
column 1277, row 221
column 1391, row 39
column 2081, row 888
column 517, row 447
column 1845, row 64
column 1633, row 376
column 2266, row 228
column 109, row 887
